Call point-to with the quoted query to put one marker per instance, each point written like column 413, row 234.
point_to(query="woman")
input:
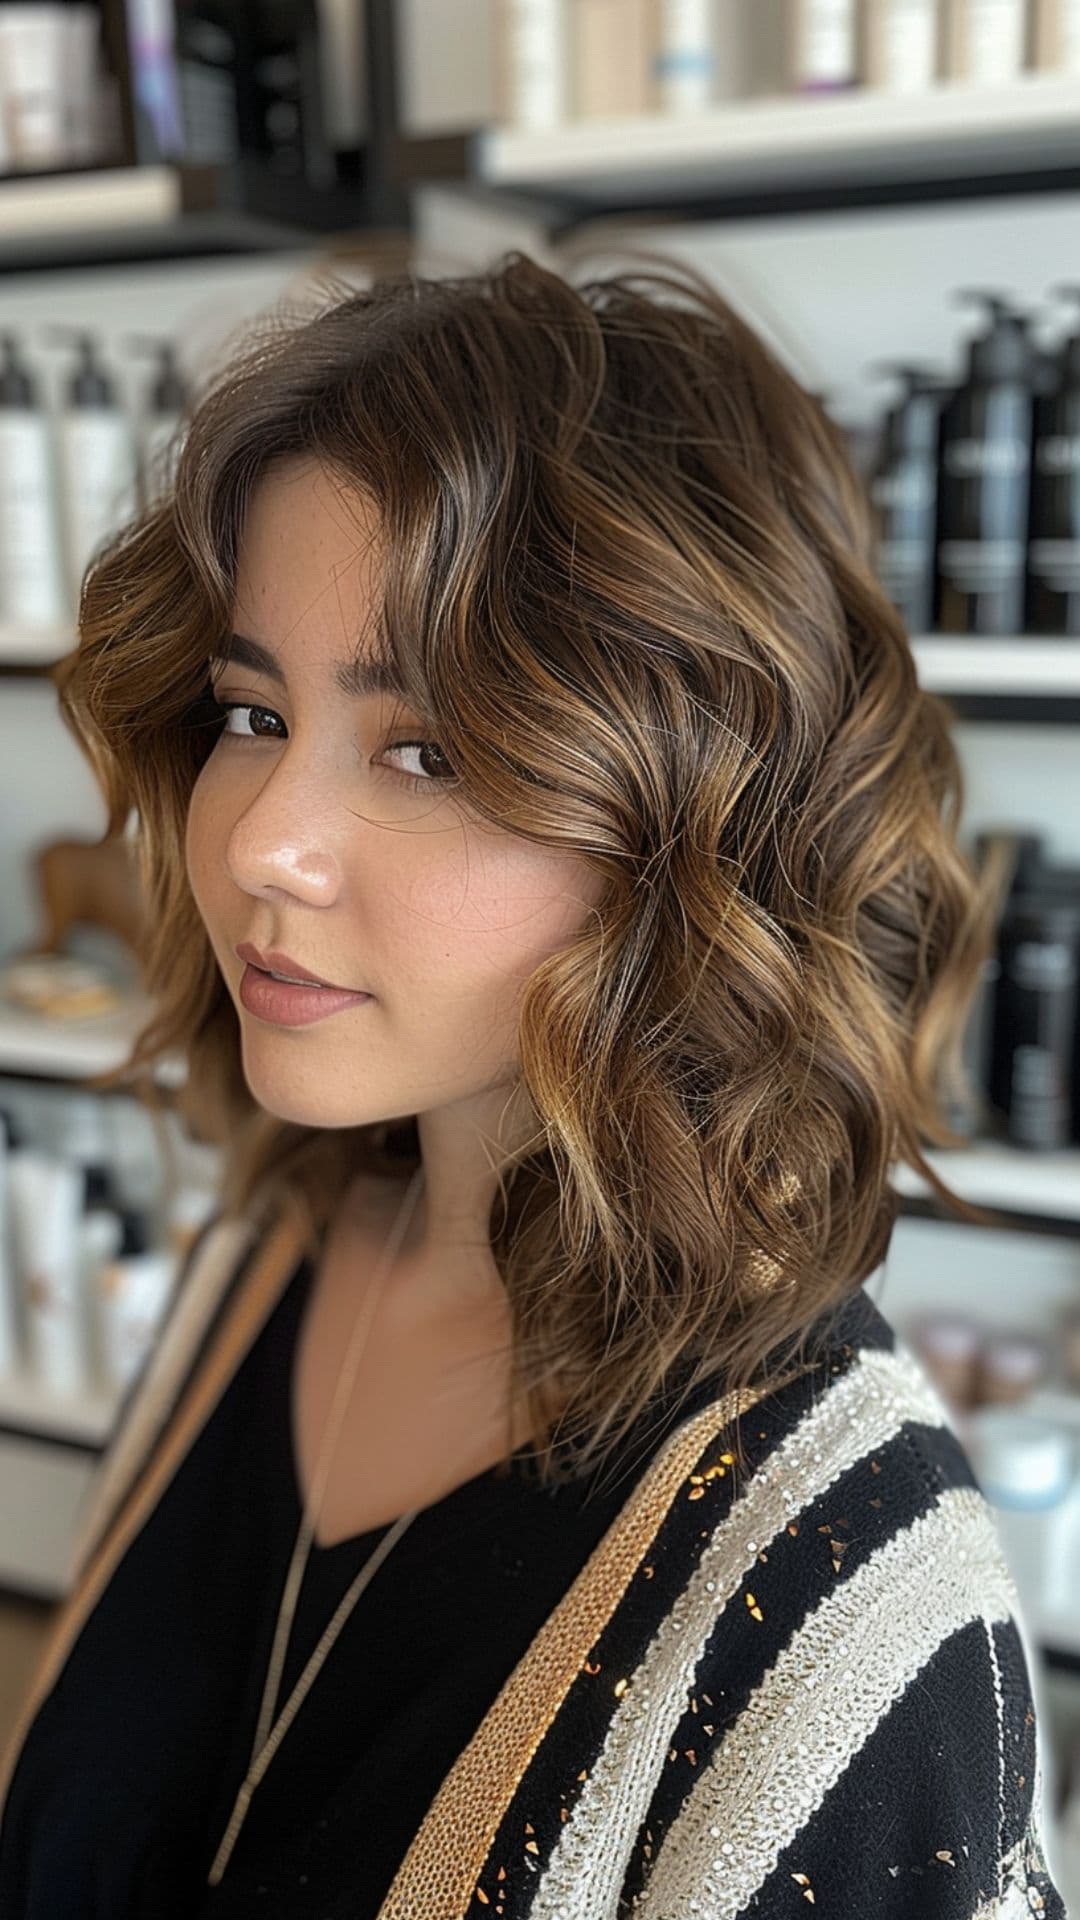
column 525, row 1509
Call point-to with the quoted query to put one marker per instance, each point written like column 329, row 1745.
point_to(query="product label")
column 1056, row 563
column 1058, row 453
column 98, row 460
column 1038, row 1106
column 995, row 39
column 969, row 457
column 979, row 566
column 911, row 488
column 827, row 43
column 909, row 45
column 31, row 573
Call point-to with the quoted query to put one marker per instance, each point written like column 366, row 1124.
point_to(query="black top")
column 129, row 1772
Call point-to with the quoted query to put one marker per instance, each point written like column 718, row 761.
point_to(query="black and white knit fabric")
column 823, row 1699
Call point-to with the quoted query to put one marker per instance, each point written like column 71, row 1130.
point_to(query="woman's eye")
column 444, row 774
column 425, row 749
column 229, row 707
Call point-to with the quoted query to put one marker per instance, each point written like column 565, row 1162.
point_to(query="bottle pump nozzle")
column 90, row 384
column 168, row 393
column 1005, row 351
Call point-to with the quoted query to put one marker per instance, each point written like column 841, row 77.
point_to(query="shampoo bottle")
column 822, row 40
column 984, row 481
column 532, row 58
column 32, row 588
column 1055, row 36
column 1037, row 1010
column 161, row 421
column 903, row 495
column 134, row 1292
column 900, row 44
column 45, row 1196
column 96, row 447
column 985, row 41
column 1053, row 575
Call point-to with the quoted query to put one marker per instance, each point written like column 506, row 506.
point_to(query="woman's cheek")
column 203, row 836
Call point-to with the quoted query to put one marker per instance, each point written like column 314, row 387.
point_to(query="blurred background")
column 890, row 191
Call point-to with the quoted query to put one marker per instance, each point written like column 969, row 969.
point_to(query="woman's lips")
column 287, row 1005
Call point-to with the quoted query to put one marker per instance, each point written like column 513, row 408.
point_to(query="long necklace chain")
column 268, row 1737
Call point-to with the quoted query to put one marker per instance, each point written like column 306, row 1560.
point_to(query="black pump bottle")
column 1053, row 578
column 903, row 494
column 984, row 480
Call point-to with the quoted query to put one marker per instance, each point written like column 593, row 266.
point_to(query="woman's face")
column 315, row 830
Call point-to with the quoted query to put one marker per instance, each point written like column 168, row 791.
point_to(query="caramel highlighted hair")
column 629, row 583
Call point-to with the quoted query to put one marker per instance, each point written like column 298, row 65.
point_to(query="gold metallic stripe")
column 255, row 1299
column 436, row 1878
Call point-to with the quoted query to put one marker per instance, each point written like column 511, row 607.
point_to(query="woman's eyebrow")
column 368, row 673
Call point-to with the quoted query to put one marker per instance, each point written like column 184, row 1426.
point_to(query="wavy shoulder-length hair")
column 629, row 582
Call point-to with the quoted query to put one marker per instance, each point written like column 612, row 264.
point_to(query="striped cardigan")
column 796, row 1683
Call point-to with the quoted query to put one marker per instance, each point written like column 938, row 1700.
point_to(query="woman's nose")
column 281, row 842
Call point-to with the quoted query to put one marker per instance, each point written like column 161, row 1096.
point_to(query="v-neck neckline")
column 323, row 1552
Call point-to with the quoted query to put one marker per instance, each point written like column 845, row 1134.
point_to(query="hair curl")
column 629, row 579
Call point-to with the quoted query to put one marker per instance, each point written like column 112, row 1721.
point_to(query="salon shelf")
column 34, row 206
column 26, row 649
column 95, row 217
column 74, row 1050
column 995, row 1174
column 37, row 1411
column 1022, row 664
column 1029, row 679
column 861, row 138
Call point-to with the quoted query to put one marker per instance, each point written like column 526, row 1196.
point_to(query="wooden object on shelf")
column 88, row 882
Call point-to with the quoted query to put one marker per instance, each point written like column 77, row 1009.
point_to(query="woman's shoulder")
column 861, row 1721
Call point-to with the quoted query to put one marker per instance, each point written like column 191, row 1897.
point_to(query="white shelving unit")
column 998, row 1175
column 88, row 198
column 951, row 129
column 33, row 646
column 1025, row 664
column 75, row 1049
column 85, row 1419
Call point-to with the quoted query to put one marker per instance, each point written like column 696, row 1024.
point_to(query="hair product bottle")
column 612, row 56
column 98, row 476
column 32, row 588
column 1020, row 859
column 899, row 44
column 1036, row 1017
column 161, row 420
column 532, row 56
column 823, row 44
column 1053, row 573
column 1055, row 35
column 903, row 495
column 133, row 1293
column 984, row 480
column 985, row 41
column 45, row 1195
